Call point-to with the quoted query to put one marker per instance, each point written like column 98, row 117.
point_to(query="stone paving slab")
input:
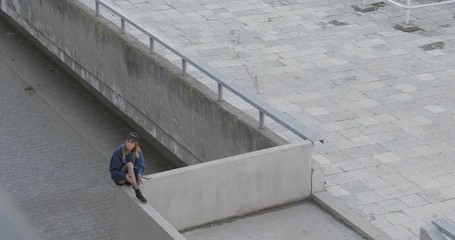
column 381, row 98
column 55, row 145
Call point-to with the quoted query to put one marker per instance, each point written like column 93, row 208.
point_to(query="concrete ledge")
column 199, row 194
column 348, row 216
column 141, row 222
column 430, row 232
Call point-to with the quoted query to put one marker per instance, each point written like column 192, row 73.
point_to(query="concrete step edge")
column 348, row 216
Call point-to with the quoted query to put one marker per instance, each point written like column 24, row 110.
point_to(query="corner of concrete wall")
column 233, row 186
column 317, row 177
column 140, row 222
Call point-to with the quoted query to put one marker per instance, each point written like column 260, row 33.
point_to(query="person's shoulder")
column 118, row 150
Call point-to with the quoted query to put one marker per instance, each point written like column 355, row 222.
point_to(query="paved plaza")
column 56, row 141
column 381, row 98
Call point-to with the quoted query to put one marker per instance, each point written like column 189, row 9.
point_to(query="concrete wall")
column 149, row 91
column 234, row 186
column 141, row 222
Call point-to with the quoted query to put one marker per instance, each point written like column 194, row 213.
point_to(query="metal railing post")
column 122, row 21
column 152, row 45
column 183, row 67
column 261, row 119
column 97, row 7
column 408, row 12
column 220, row 92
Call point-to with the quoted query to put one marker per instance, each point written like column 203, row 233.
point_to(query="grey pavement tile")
column 413, row 200
column 365, row 151
column 337, row 156
column 355, row 187
column 416, row 162
column 398, row 232
column 381, row 169
column 395, row 179
column 350, row 165
column 434, row 195
column 439, row 208
column 390, row 192
column 337, row 191
column 368, row 197
column 393, row 205
column 374, row 210
column 387, row 157
column 380, row 222
column 427, row 183
column 419, row 213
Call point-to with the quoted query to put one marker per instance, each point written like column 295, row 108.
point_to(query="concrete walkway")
column 303, row 220
column 55, row 145
column 381, row 98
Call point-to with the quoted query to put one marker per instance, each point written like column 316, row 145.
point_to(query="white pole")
column 408, row 12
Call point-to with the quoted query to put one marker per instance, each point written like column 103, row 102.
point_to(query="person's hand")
column 148, row 177
column 129, row 178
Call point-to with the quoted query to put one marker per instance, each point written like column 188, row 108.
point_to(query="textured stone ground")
column 381, row 98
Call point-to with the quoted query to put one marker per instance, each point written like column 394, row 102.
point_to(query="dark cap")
column 133, row 136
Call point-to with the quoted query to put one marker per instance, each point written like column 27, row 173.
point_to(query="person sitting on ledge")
column 127, row 165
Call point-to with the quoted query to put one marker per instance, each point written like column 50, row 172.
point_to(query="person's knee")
column 129, row 165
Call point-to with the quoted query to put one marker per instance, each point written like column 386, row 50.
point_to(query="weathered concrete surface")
column 55, row 143
column 180, row 113
column 348, row 216
column 140, row 221
column 304, row 220
column 233, row 186
column 430, row 232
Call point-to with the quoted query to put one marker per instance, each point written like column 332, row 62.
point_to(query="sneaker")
column 139, row 197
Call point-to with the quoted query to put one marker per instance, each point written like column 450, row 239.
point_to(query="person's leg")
column 130, row 176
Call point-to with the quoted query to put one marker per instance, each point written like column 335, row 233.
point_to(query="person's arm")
column 115, row 166
column 140, row 166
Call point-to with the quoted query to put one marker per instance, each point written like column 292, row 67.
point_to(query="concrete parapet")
column 141, row 222
column 146, row 90
column 430, row 232
column 234, row 186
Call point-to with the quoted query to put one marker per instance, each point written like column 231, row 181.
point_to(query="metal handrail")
column 222, row 80
column 409, row 6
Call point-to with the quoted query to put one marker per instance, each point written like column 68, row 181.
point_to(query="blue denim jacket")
column 117, row 162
